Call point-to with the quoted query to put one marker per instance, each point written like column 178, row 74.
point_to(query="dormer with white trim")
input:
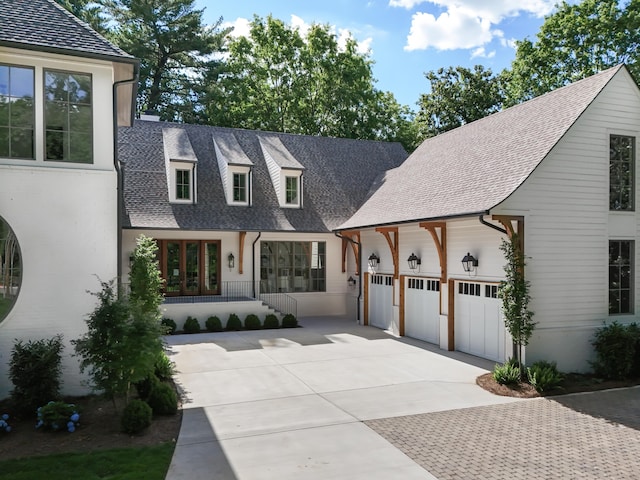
column 235, row 169
column 181, row 162
column 285, row 171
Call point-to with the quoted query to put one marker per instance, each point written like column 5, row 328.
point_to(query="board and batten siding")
column 565, row 202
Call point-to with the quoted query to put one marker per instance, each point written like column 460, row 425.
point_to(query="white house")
column 60, row 84
column 560, row 171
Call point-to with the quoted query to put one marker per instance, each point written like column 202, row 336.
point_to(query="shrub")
column 544, row 376
column 163, row 399
column 35, row 369
column 213, row 324
column 4, row 423
column 191, row 325
column 289, row 321
column 58, row 416
column 169, row 326
column 165, row 368
column 507, row 374
column 144, row 386
column 271, row 321
column 234, row 323
column 136, row 416
column 615, row 346
column 634, row 331
column 252, row 322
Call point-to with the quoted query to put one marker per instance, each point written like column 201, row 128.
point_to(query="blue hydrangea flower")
column 7, row 429
column 39, row 424
column 5, row 416
column 75, row 417
column 71, row 428
column 3, row 424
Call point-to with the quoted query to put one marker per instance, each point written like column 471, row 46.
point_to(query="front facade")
column 559, row 171
column 58, row 182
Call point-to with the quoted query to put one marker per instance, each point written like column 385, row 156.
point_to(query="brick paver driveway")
column 584, row 436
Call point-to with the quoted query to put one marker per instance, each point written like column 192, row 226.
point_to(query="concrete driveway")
column 292, row 403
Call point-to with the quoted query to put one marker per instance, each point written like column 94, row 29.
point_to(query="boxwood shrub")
column 191, row 325
column 289, row 321
column 213, row 324
column 234, row 323
column 271, row 321
column 252, row 322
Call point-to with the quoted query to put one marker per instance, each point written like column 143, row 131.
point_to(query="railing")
column 279, row 301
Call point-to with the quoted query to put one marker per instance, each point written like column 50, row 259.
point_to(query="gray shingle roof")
column 273, row 147
column 177, row 145
column 338, row 176
column 230, row 149
column 473, row 168
column 44, row 25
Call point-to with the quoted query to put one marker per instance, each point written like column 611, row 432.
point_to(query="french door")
column 190, row 267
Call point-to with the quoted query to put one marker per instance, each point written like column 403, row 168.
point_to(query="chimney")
column 150, row 116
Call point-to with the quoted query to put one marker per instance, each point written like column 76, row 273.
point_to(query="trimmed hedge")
column 213, row 324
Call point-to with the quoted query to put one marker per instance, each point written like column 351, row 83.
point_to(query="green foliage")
column 191, row 325
column 514, row 292
column 164, row 367
column 507, row 374
column 136, row 417
column 544, row 376
column 163, row 399
column 89, row 11
column 271, row 321
column 169, row 326
column 35, row 370
column 121, row 345
column 252, row 322
column 145, row 279
column 58, row 416
column 457, row 96
column 289, row 321
column 233, row 323
column 615, row 347
column 144, row 386
column 213, row 324
column 578, row 40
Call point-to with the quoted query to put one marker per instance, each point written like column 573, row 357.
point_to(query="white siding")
column 566, row 205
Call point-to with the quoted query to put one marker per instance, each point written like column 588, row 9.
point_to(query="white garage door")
column 422, row 309
column 381, row 301
column 479, row 327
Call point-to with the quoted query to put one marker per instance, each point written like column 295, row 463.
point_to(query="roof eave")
column 69, row 51
column 416, row 220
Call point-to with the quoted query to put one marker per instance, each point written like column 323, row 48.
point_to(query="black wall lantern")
column 351, row 281
column 414, row 262
column 469, row 263
column 374, row 261
column 232, row 261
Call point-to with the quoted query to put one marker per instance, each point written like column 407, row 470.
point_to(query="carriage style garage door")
column 422, row 309
column 381, row 301
column 479, row 327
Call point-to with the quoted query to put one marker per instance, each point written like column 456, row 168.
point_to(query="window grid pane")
column 17, row 112
column 183, row 185
column 239, row 187
column 292, row 267
column 621, row 172
column 620, row 277
column 291, row 193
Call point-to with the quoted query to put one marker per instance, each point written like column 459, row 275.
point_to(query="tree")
column 174, row 47
column 458, row 95
column 514, row 292
column 281, row 80
column 89, row 11
column 573, row 43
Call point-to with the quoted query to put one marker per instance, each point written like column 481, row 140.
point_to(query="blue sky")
column 406, row 37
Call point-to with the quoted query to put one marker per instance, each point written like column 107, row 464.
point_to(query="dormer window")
column 291, row 191
column 235, row 168
column 181, row 162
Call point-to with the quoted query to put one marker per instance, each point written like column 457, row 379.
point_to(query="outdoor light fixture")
column 351, row 281
column 469, row 263
column 414, row 262
column 374, row 261
column 232, row 261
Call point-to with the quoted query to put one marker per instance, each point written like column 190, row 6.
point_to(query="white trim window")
column 17, row 111
column 621, row 172
column 182, row 179
column 621, row 260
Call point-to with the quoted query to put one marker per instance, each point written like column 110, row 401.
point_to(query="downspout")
column 495, row 227
column 116, row 164
column 359, row 299
column 253, row 263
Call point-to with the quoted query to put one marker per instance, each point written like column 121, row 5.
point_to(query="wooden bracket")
column 441, row 244
column 393, row 246
column 241, row 237
column 355, row 247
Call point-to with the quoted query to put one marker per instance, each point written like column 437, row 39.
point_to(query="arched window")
column 10, row 268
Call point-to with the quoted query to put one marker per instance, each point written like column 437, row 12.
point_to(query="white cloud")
column 480, row 52
column 241, row 27
column 463, row 24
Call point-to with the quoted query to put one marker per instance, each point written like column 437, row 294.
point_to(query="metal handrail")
column 280, row 301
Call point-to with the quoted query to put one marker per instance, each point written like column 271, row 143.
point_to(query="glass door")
column 190, row 267
column 172, row 271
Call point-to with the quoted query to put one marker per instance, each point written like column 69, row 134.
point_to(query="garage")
column 422, row 309
column 479, row 327
column 381, row 301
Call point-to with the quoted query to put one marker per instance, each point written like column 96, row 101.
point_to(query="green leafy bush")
column 234, row 323
column 634, row 331
column 615, row 347
column 35, row 369
column 163, row 399
column 58, row 416
column 165, row 368
column 252, row 322
column 507, row 374
column 136, row 417
column 213, row 324
column 191, row 325
column 544, row 376
column 271, row 321
column 144, row 386
column 289, row 321
column 169, row 326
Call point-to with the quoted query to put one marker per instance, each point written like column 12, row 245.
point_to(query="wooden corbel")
column 393, row 245
column 441, row 244
column 241, row 237
column 355, row 247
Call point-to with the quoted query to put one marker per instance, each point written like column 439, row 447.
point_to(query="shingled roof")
column 472, row 169
column 44, row 25
column 338, row 174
